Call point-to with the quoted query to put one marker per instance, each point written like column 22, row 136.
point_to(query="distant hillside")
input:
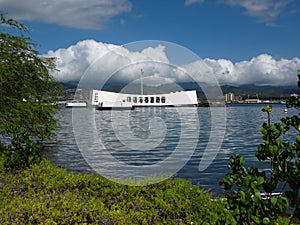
column 244, row 91
column 263, row 92
column 70, row 84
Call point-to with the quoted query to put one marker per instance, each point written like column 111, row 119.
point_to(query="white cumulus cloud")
column 260, row 70
column 97, row 62
column 90, row 14
column 265, row 70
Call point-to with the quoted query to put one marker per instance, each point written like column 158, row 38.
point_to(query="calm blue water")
column 149, row 135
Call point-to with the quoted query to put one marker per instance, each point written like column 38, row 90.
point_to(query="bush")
column 245, row 200
column 45, row 194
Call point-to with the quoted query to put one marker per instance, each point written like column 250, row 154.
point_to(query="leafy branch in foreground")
column 246, row 185
column 28, row 94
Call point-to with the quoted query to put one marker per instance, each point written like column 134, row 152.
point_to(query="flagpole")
column 142, row 85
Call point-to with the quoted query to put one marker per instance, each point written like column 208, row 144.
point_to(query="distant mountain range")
column 263, row 92
column 244, row 91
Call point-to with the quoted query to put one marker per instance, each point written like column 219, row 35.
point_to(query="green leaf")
column 266, row 220
column 267, row 109
column 298, row 139
column 273, row 201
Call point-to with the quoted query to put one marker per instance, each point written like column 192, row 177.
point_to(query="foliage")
column 246, row 202
column 46, row 194
column 27, row 95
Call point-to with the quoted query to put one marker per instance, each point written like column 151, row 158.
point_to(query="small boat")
column 77, row 104
column 106, row 100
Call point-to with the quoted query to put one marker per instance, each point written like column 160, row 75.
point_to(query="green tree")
column 28, row 94
column 246, row 185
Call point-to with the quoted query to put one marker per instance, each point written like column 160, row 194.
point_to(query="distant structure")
column 229, row 97
column 107, row 100
column 294, row 95
column 253, row 100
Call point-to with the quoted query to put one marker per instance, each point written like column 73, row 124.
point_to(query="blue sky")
column 231, row 30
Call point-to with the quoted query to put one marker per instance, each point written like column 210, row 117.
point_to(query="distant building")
column 229, row 97
column 294, row 95
column 252, row 100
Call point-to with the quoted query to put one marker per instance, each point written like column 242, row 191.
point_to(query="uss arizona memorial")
column 106, row 100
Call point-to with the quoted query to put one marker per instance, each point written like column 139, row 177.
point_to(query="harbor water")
column 242, row 135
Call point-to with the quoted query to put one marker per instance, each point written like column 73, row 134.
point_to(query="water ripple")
column 242, row 136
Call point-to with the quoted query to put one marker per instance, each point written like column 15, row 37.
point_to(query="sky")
column 236, row 41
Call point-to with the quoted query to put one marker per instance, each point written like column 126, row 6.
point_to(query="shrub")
column 45, row 194
column 246, row 185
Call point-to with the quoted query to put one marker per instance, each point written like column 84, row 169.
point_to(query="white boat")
column 106, row 100
column 76, row 104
